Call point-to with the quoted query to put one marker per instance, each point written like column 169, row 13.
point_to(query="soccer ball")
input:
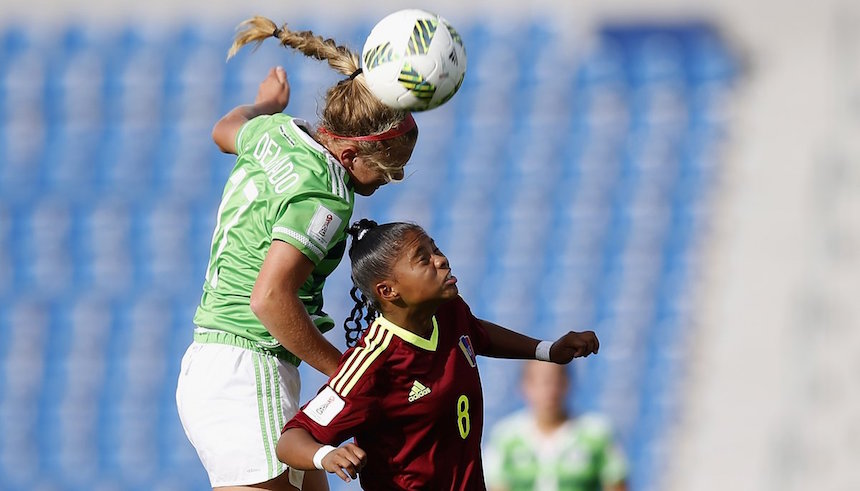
column 413, row 60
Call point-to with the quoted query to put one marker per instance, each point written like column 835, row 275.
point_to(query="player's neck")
column 416, row 320
column 548, row 423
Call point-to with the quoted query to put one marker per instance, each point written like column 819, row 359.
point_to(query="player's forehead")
column 415, row 242
column 398, row 155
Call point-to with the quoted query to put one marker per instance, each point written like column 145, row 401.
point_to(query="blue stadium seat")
column 105, row 246
column 19, row 456
column 7, row 266
column 67, row 163
column 44, row 246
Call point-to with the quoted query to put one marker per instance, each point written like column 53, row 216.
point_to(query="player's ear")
column 348, row 157
column 385, row 291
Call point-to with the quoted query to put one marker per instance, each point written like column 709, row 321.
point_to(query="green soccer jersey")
column 285, row 186
column 578, row 456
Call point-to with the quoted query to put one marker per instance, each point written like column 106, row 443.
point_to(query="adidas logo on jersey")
column 418, row 391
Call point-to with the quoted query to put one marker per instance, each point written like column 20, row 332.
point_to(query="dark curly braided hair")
column 353, row 332
column 373, row 252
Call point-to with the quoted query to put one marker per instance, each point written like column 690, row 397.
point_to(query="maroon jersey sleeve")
column 332, row 418
column 471, row 324
column 349, row 401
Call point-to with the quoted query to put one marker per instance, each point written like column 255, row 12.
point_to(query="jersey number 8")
column 463, row 416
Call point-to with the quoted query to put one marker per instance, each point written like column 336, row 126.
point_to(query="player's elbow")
column 281, row 449
column 289, row 449
column 263, row 301
column 220, row 137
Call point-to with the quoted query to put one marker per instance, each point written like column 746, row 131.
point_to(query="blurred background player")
column 410, row 392
column 280, row 232
column 546, row 448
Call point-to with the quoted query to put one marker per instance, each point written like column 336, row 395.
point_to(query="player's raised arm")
column 505, row 343
column 272, row 97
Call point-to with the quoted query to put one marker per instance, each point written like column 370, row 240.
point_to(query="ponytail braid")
column 353, row 332
column 350, row 109
column 258, row 28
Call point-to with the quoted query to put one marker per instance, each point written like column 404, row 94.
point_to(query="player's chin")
column 366, row 190
column 450, row 291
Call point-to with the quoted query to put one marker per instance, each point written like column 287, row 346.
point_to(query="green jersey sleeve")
column 614, row 466
column 493, row 460
column 510, row 461
column 313, row 223
column 598, row 431
column 250, row 131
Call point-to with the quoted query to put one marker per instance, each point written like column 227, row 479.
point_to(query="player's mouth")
column 450, row 279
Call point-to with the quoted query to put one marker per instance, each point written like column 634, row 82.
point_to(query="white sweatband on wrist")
column 321, row 453
column 542, row 350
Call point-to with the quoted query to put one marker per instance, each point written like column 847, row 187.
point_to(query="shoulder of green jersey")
column 337, row 173
column 302, row 128
column 596, row 421
column 338, row 181
column 283, row 131
column 593, row 426
column 242, row 129
column 301, row 239
column 512, row 426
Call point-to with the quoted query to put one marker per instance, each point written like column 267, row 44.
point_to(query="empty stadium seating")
column 568, row 185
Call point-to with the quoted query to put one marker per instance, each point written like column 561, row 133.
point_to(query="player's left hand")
column 345, row 461
column 274, row 90
column 573, row 345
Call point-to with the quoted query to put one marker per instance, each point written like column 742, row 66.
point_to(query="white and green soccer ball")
column 413, row 60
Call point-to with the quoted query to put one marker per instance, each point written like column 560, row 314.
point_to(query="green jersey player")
column 279, row 232
column 542, row 449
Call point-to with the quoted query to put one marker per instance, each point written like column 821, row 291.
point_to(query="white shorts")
column 233, row 403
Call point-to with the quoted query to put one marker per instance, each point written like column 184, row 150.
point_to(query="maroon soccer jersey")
column 413, row 404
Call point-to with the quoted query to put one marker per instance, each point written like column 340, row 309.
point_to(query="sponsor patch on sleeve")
column 467, row 349
column 324, row 225
column 324, row 407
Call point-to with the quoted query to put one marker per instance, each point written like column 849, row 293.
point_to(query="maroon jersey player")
column 409, row 391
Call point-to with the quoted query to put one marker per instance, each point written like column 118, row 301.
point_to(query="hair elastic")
column 355, row 74
column 277, row 33
column 402, row 128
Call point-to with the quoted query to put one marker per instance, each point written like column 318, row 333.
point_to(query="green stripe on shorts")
column 281, row 467
column 258, row 370
column 270, row 403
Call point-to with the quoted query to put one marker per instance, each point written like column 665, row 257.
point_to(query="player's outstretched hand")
column 573, row 345
column 274, row 90
column 345, row 461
